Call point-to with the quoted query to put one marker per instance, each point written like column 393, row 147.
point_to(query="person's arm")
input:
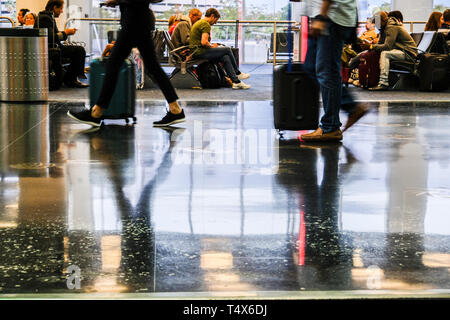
column 205, row 40
column 389, row 42
column 206, row 43
column 319, row 25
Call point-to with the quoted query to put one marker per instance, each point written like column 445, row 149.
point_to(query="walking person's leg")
column 328, row 72
column 147, row 50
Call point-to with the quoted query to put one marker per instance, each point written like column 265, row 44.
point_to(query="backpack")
column 210, row 75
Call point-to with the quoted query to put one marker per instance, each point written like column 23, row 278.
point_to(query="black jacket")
column 45, row 19
column 136, row 14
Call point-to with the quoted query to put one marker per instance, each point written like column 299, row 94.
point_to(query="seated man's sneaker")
column 243, row 76
column 170, row 119
column 379, row 88
column 85, row 117
column 240, row 85
column 318, row 135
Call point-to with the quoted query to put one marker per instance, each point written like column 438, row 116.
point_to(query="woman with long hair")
column 434, row 22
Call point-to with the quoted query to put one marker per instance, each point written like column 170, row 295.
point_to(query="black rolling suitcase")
column 433, row 69
column 295, row 99
column 295, row 95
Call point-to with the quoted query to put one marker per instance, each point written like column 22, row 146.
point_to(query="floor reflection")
column 223, row 205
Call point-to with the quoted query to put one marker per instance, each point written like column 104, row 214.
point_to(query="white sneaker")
column 243, row 76
column 241, row 85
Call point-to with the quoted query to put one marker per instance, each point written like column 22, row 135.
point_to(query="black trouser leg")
column 77, row 57
column 119, row 53
column 152, row 67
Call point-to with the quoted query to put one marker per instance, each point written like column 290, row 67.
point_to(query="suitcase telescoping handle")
column 289, row 38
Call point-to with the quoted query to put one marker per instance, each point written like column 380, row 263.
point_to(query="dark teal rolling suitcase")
column 123, row 102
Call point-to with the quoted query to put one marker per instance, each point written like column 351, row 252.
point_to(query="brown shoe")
column 318, row 135
column 361, row 110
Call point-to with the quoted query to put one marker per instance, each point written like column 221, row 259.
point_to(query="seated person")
column 173, row 21
column 445, row 20
column 396, row 14
column 181, row 33
column 369, row 36
column 434, row 22
column 202, row 49
column 445, row 26
column 76, row 54
column 398, row 45
column 21, row 16
column 30, row 19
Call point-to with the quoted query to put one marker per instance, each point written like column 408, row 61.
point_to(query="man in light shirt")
column 333, row 23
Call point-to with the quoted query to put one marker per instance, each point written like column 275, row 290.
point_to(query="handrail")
column 10, row 20
column 164, row 20
column 233, row 22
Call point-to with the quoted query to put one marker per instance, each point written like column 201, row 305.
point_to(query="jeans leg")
column 385, row 61
column 233, row 60
column 225, row 55
column 310, row 61
column 228, row 65
column 328, row 71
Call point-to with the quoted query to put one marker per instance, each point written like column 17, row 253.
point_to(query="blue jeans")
column 323, row 64
column 225, row 55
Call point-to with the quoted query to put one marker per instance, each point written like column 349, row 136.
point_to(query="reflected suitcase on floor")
column 123, row 102
column 295, row 99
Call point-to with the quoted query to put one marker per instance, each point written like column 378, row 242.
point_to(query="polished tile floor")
column 220, row 206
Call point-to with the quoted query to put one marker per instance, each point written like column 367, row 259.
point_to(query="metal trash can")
column 23, row 65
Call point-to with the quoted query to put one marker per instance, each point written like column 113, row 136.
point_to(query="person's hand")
column 317, row 28
column 214, row 45
column 70, row 31
column 111, row 3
